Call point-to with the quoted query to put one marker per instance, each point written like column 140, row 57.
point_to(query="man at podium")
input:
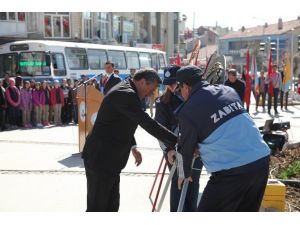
column 108, row 145
column 110, row 79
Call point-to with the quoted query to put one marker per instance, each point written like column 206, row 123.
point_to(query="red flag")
column 247, row 80
column 247, row 62
column 178, row 60
column 270, row 86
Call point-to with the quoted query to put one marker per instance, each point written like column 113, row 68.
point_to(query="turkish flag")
column 270, row 86
column 178, row 60
column 247, row 80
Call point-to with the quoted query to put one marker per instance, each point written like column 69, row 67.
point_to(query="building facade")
column 281, row 37
column 157, row 29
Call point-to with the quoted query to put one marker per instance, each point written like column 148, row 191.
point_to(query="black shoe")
column 269, row 112
column 276, row 112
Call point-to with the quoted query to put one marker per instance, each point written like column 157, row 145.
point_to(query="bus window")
column 76, row 58
column 155, row 64
column 97, row 58
column 33, row 64
column 145, row 60
column 118, row 58
column 58, row 63
column 162, row 61
column 8, row 63
column 132, row 60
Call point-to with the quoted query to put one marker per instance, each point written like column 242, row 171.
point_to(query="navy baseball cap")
column 189, row 74
column 170, row 74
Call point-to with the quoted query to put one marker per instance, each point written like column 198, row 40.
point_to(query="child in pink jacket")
column 26, row 104
column 38, row 99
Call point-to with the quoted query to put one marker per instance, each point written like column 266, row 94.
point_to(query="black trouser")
column 69, row 112
column 103, row 190
column 240, row 189
column 13, row 115
column 2, row 118
column 75, row 113
column 284, row 96
column 190, row 204
column 263, row 95
column 276, row 92
column 65, row 116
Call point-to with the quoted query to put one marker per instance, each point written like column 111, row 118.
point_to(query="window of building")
column 21, row 16
column 145, row 60
column 97, row 58
column 102, row 25
column 117, row 28
column 237, row 45
column 118, row 58
column 87, row 25
column 128, row 28
column 162, row 61
column 48, row 26
column 57, row 25
column 66, row 26
column 76, row 58
column 12, row 16
column 3, row 16
column 132, row 60
column 58, row 63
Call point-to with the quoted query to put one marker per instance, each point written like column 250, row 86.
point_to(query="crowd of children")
column 30, row 104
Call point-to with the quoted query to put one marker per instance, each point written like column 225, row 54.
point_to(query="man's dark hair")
column 110, row 63
column 150, row 75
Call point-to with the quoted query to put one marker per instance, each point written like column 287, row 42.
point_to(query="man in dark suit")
column 110, row 79
column 108, row 146
column 236, row 84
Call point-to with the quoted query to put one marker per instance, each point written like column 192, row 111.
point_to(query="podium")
column 89, row 100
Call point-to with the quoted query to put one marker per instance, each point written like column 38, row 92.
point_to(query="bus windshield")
column 34, row 64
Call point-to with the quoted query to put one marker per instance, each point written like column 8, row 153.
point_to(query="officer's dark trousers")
column 2, row 118
column 13, row 115
column 65, row 114
column 240, row 189
column 276, row 93
column 103, row 193
column 284, row 97
column 263, row 95
column 190, row 204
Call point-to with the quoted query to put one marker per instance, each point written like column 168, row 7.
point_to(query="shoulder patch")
column 167, row 74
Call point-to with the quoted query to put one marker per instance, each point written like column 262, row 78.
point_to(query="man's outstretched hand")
column 138, row 156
